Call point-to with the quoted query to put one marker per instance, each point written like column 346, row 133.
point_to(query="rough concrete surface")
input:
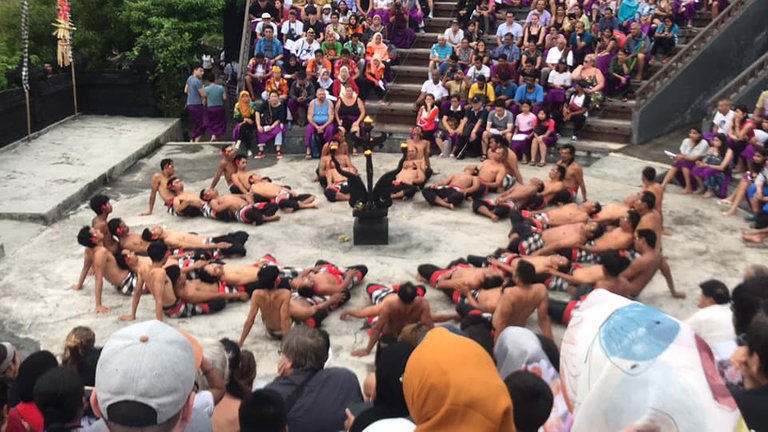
column 64, row 165
column 35, row 275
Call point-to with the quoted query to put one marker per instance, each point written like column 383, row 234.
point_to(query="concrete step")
column 414, row 56
column 617, row 110
column 601, row 129
column 592, row 146
column 402, row 92
column 410, row 74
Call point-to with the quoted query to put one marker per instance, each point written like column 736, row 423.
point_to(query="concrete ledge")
column 47, row 195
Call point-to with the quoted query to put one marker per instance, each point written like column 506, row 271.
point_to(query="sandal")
column 308, row 156
column 542, row 164
column 532, row 163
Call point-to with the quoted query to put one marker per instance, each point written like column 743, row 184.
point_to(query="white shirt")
column 761, row 136
column 687, row 148
column 516, row 30
column 723, row 121
column 562, row 79
column 453, row 38
column 554, row 55
column 714, row 324
column 391, row 425
column 472, row 73
column 260, row 28
column 305, row 51
column 297, row 27
column 437, row 90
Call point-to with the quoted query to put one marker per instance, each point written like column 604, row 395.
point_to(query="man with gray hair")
column 315, row 397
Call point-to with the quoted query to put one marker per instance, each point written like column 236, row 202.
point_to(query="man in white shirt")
column 479, row 69
column 713, row 322
column 723, row 119
column 291, row 29
column 305, row 47
column 453, row 34
column 434, row 87
column 509, row 26
column 554, row 55
column 266, row 21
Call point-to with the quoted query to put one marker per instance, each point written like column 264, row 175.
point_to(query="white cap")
column 150, row 364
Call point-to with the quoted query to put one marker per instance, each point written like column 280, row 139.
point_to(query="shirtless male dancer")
column 238, row 205
column 574, row 174
column 518, row 302
column 395, row 312
column 563, row 215
column 175, row 301
column 648, row 178
column 513, row 170
column 642, row 269
column 186, row 204
column 452, row 191
column 519, row 196
column 242, row 178
column 620, row 238
column 336, row 185
column 421, row 146
column 101, row 206
column 105, row 266
column 342, row 155
column 228, row 244
column 410, row 178
column 159, row 185
column 125, row 238
column 285, row 198
column 460, row 276
column 492, row 171
column 650, row 219
column 227, row 167
column 273, row 299
column 508, row 262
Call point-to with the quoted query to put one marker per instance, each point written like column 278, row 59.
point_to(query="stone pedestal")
column 371, row 230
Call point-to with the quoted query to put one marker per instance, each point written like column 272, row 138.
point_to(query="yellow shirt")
column 489, row 94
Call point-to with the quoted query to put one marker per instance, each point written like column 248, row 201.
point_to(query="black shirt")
column 752, row 404
column 318, row 27
column 473, row 116
column 256, row 10
column 270, row 114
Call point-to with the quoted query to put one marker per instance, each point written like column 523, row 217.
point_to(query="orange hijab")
column 244, row 107
column 451, row 384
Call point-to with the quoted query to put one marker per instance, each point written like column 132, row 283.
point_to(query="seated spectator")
column 59, row 395
column 482, row 90
column 750, row 184
column 713, row 322
column 439, row 53
column 606, row 49
column 305, row 48
column 559, row 81
column 473, row 34
column 258, row 71
column 258, row 8
column 527, row 71
column 79, row 341
column 534, row 31
column 347, row 61
column 374, row 27
column 532, row 398
column 639, row 47
column 245, row 124
column 291, row 30
column 665, row 39
column 509, row 26
column 331, row 46
column 356, row 50
column 453, row 35
column 350, row 110
column 761, row 107
column 577, row 109
column 265, row 23
column 290, row 68
column 752, row 360
column 373, row 80
column 544, row 137
column 608, row 21
column 592, row 78
column 343, row 79
column 531, row 92
column 507, row 49
column 620, row 76
column 338, row 29
column 276, row 84
column 270, row 47
column 472, row 126
column 450, row 130
column 318, row 64
column 434, row 87
column 479, row 69
column 449, row 67
column 299, row 96
column 320, row 115
column 327, row 392
column 325, row 12
column 741, row 133
column 581, row 42
column 505, row 91
column 692, row 150
column 325, row 82
column 500, row 122
column 9, row 361
column 480, row 51
column 389, row 401
column 239, row 380
column 555, row 55
column 464, row 53
column 26, row 416
column 313, row 21
column 713, row 171
column 353, row 25
column 263, row 411
column 503, row 72
column 376, row 48
column 532, row 55
column 485, row 15
column 270, row 124
column 457, row 86
column 524, row 124
column 445, row 363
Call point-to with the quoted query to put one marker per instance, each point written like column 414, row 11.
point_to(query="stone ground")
column 43, row 261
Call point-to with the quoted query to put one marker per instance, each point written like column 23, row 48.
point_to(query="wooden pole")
column 74, row 86
column 29, row 116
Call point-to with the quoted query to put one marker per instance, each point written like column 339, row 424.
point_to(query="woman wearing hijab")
column 450, row 385
column 373, row 80
column 374, row 27
column 389, row 401
column 342, row 80
column 376, row 48
column 520, row 349
column 245, row 114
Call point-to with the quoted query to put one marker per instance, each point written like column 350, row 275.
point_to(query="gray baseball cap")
column 145, row 374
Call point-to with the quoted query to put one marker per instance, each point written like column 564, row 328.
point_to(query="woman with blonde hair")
column 79, row 341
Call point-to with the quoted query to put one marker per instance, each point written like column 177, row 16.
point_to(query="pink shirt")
column 525, row 122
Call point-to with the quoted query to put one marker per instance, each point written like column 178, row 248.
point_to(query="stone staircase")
column 606, row 131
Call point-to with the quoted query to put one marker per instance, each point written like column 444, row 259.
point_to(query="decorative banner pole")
column 63, row 33
column 25, row 62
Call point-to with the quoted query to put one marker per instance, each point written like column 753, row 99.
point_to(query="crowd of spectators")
column 563, row 58
column 151, row 376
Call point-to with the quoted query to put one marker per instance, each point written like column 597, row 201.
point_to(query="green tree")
column 174, row 31
column 42, row 43
column 100, row 30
